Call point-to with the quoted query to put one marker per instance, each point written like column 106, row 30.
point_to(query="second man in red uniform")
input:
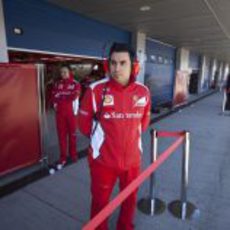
column 65, row 97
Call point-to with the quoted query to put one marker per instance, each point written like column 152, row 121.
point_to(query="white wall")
column 3, row 45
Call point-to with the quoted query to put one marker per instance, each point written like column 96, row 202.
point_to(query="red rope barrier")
column 108, row 210
column 170, row 134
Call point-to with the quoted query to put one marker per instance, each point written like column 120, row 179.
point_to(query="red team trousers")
column 103, row 180
column 66, row 127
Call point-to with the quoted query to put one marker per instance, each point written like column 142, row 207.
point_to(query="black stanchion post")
column 182, row 208
column 152, row 205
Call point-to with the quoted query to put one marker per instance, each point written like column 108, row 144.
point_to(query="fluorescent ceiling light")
column 145, row 8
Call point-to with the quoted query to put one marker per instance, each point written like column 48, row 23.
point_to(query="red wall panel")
column 19, row 117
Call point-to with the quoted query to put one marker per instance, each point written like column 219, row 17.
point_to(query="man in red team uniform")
column 65, row 98
column 113, row 113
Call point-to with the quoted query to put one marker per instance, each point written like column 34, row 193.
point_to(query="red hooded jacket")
column 65, row 96
column 125, row 113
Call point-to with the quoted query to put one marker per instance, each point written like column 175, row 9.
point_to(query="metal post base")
column 151, row 206
column 182, row 210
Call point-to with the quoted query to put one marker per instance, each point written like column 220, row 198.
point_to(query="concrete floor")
column 62, row 201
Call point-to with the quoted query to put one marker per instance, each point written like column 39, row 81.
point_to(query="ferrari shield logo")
column 109, row 100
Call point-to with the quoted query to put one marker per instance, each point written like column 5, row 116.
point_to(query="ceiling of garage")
column 200, row 25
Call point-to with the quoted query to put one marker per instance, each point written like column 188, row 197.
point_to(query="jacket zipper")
column 123, row 125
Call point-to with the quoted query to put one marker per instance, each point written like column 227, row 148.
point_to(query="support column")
column 213, row 69
column 139, row 44
column 220, row 77
column 182, row 59
column 226, row 71
column 182, row 65
column 201, row 74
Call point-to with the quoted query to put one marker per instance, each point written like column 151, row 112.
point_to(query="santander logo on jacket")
column 114, row 115
column 119, row 117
